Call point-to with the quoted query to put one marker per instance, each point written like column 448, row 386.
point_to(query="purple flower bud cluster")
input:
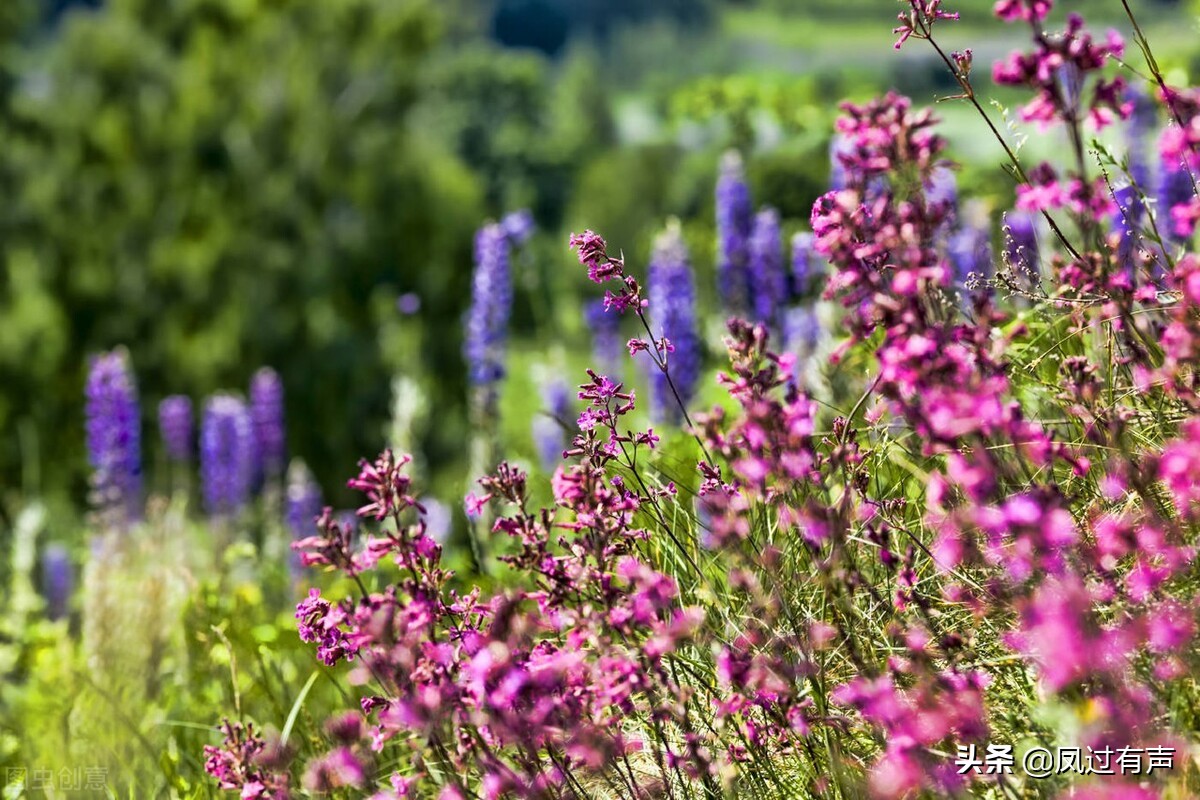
column 266, row 414
column 114, row 438
column 735, row 221
column 227, row 448
column 768, row 279
column 491, row 305
column 175, row 427
column 672, row 295
column 58, row 580
column 492, row 297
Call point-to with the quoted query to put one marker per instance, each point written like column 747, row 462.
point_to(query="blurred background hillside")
column 223, row 184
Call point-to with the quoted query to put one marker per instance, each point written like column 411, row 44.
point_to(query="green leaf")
column 296, row 706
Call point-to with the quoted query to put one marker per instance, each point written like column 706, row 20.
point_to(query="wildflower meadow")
column 867, row 467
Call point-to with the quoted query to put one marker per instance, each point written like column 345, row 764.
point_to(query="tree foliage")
column 220, row 184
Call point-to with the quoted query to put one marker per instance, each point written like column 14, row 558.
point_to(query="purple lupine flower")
column 607, row 346
column 549, row 427
column 1127, row 223
column 735, row 220
column 175, row 426
column 1138, row 132
column 58, row 580
column 491, row 305
column 518, row 226
column 1020, row 243
column 114, row 437
column 266, row 413
column 304, row 501
column 672, row 296
column 808, row 267
column 226, row 455
column 768, row 280
column 970, row 251
column 1175, row 189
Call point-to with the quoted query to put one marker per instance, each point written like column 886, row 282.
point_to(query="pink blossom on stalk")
column 1026, row 10
column 1061, row 634
column 923, row 14
column 239, row 764
column 1055, row 70
column 1179, row 469
column 385, row 485
column 602, row 268
column 338, row 769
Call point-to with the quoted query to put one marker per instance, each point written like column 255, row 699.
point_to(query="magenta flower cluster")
column 994, row 539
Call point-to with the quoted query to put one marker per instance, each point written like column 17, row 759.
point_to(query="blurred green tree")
column 220, row 184
column 524, row 127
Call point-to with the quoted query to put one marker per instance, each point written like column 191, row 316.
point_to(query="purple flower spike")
column 266, row 412
column 519, row 226
column 175, row 426
column 114, row 439
column 767, row 276
column 735, row 221
column 491, row 305
column 226, row 455
column 673, row 298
